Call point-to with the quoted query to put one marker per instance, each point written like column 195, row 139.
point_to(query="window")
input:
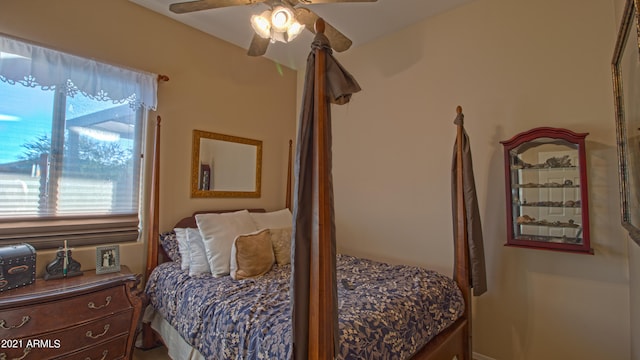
column 70, row 155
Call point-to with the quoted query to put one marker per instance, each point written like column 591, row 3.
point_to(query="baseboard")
column 477, row 356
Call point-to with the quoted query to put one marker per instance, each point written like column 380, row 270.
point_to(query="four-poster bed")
column 318, row 329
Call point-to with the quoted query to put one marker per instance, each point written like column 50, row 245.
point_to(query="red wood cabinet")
column 546, row 190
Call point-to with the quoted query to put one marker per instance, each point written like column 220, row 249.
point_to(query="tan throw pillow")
column 251, row 255
column 281, row 240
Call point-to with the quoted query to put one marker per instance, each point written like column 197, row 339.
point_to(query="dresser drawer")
column 112, row 350
column 29, row 320
column 58, row 343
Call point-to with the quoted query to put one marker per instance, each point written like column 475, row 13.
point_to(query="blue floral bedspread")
column 385, row 311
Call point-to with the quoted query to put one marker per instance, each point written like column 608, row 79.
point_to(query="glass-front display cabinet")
column 546, row 190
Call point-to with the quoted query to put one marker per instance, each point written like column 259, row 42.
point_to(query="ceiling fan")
column 283, row 20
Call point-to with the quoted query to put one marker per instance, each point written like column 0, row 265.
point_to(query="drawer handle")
column 25, row 352
column 92, row 305
column 90, row 333
column 104, row 355
column 25, row 319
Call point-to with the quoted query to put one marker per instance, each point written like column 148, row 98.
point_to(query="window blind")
column 70, row 162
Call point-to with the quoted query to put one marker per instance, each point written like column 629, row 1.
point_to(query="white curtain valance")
column 36, row 66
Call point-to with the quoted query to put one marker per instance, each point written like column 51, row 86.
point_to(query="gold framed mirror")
column 225, row 165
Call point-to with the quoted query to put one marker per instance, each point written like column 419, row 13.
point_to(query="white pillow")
column 273, row 220
column 183, row 247
column 198, row 263
column 218, row 232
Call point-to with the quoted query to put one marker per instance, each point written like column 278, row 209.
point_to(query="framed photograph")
column 626, row 81
column 107, row 259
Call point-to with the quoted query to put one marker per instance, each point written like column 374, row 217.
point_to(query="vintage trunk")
column 17, row 266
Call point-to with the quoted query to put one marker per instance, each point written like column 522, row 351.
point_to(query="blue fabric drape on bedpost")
column 339, row 87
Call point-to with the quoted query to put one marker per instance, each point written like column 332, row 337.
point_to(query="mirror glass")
column 225, row 165
column 626, row 80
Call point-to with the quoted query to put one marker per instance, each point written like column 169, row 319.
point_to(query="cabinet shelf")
column 552, row 239
column 546, row 190
column 576, row 204
column 549, row 224
column 544, row 186
column 542, row 168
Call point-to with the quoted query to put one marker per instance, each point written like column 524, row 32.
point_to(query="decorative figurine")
column 63, row 265
column 556, row 162
column 525, row 219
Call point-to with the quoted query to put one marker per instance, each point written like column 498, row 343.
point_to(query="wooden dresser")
column 84, row 317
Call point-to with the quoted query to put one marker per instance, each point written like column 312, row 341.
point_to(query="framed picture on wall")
column 107, row 259
column 626, row 80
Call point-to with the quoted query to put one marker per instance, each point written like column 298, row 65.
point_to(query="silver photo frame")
column 107, row 259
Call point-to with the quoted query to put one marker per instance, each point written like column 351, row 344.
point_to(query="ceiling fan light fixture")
column 261, row 24
column 294, row 30
column 282, row 18
column 279, row 23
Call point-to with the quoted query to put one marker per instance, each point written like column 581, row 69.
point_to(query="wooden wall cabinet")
column 546, row 190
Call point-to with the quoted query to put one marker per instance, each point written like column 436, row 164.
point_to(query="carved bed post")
column 154, row 201
column 289, row 169
column 154, row 206
column 321, row 307
column 149, row 338
column 461, row 250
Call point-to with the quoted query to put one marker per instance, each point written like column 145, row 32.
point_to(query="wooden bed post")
column 154, row 206
column 154, row 201
column 461, row 242
column 149, row 338
column 289, row 169
column 321, row 307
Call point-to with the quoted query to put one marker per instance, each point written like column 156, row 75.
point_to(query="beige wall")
column 214, row 86
column 513, row 66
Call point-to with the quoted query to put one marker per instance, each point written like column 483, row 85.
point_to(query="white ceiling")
column 361, row 22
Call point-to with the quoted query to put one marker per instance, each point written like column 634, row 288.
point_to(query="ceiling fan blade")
column 191, row 6
column 339, row 42
column 258, row 46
